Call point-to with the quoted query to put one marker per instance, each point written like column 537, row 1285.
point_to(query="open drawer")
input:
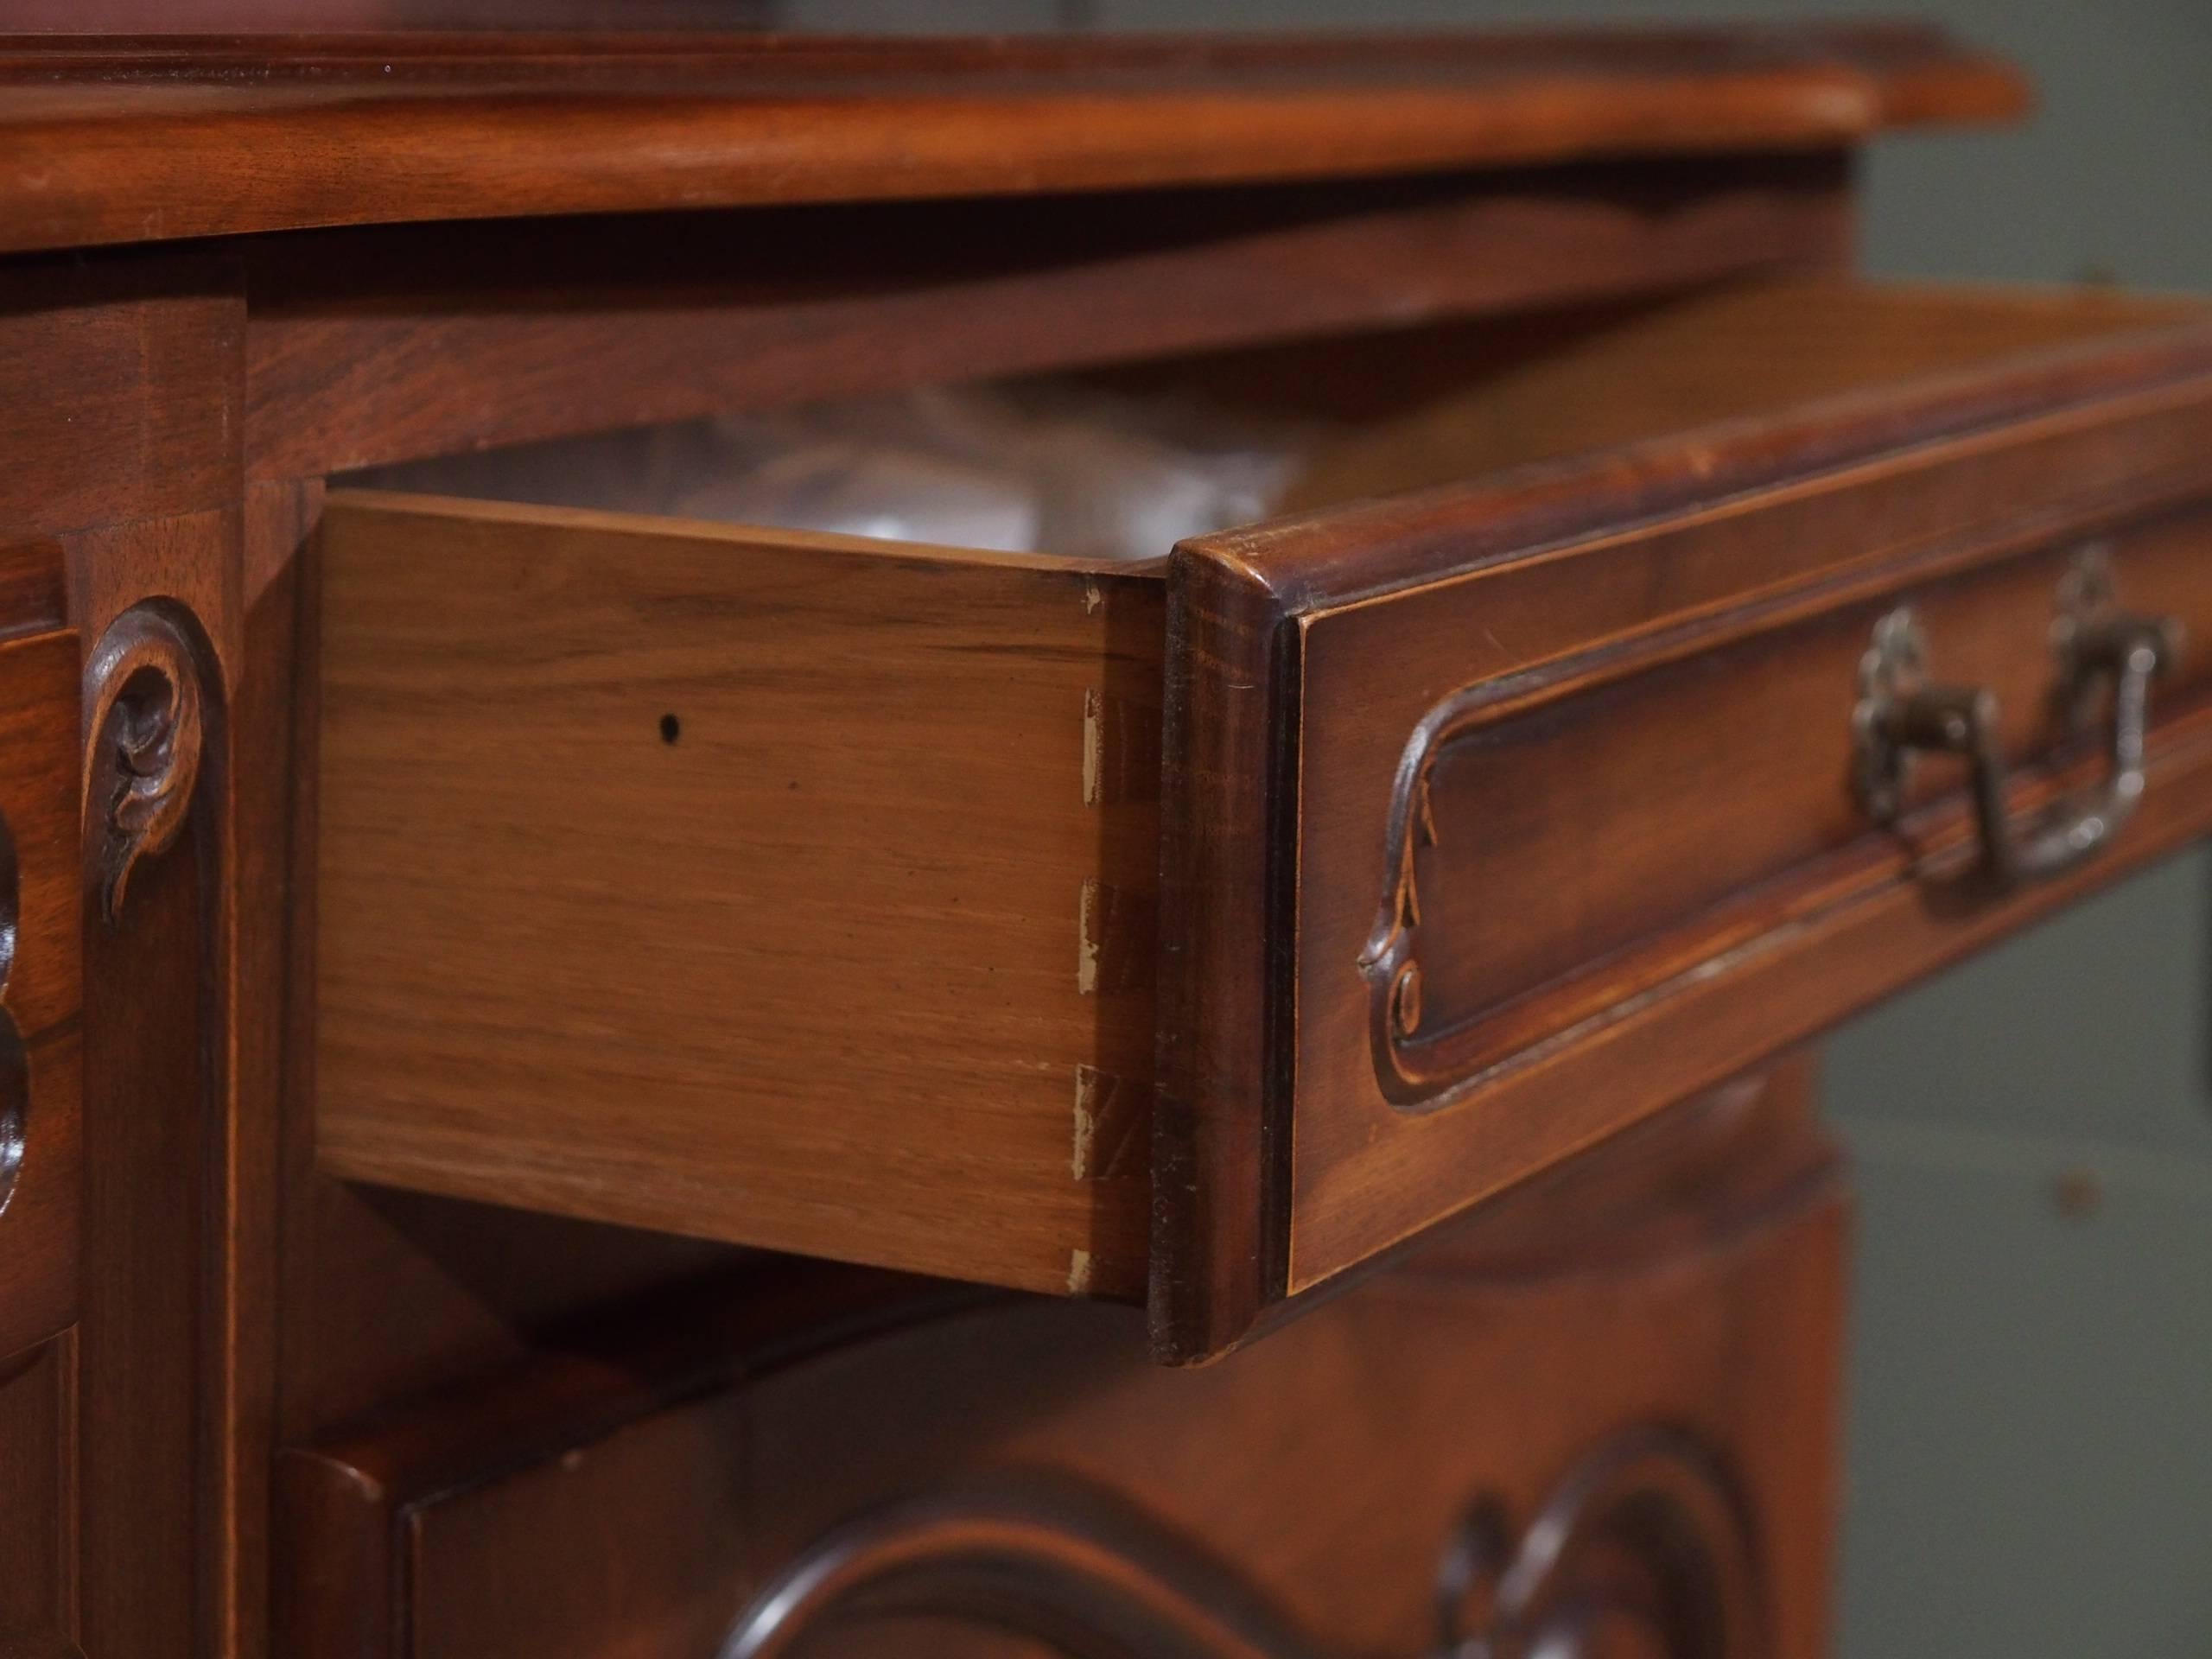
column 1214, row 924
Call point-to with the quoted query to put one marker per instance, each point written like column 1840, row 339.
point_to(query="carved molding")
column 14, row 1063
column 1059, row 1563
column 1646, row 1547
column 1645, row 1540
column 1389, row 960
column 144, row 711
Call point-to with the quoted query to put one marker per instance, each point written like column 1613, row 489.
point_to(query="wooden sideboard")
column 579, row 1083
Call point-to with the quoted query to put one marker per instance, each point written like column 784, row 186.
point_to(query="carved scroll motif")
column 1058, row 1563
column 1645, row 1547
column 1645, row 1541
column 144, row 711
column 1413, row 1066
column 1389, row 960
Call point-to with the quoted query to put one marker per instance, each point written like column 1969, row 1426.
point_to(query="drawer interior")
column 1191, row 445
column 748, row 878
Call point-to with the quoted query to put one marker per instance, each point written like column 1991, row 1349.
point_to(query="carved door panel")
column 41, row 1137
column 1595, row 1424
column 1645, row 1547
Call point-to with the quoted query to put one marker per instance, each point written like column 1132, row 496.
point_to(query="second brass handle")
column 1902, row 713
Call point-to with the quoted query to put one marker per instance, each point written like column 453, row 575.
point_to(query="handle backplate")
column 1902, row 714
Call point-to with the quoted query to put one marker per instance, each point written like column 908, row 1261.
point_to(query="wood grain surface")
column 117, row 417
column 734, row 883
column 39, row 1592
column 371, row 345
column 41, row 994
column 101, row 383
column 119, row 140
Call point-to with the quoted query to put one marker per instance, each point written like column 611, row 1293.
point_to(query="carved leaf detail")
column 144, row 712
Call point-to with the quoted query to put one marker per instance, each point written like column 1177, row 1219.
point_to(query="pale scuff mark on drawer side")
column 1113, row 1127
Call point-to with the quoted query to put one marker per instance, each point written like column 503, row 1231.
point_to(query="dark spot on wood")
column 2077, row 1193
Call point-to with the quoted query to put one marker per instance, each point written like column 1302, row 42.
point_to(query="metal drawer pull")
column 1901, row 714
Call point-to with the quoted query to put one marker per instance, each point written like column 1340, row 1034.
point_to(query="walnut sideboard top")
column 472, row 924
column 114, row 141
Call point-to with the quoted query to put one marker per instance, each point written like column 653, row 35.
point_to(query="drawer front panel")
column 1608, row 821
column 1542, row 793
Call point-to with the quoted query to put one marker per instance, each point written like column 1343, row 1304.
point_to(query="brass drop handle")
column 1902, row 713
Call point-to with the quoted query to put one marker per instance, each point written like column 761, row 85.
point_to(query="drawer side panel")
column 767, row 889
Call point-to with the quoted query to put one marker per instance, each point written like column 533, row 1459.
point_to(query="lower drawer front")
column 977, row 1480
column 1204, row 930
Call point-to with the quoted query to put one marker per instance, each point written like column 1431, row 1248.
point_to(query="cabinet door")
column 40, row 1092
column 1595, row 1419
